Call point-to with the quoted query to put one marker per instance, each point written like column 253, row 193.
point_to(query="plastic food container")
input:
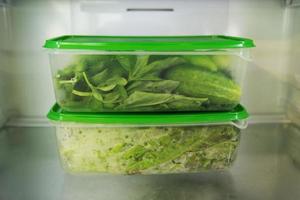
column 292, row 145
column 153, row 143
column 3, row 147
column 148, row 74
column 293, row 107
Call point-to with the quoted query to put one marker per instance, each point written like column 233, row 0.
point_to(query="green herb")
column 147, row 83
column 222, row 61
column 126, row 61
column 141, row 99
column 180, row 102
column 202, row 61
column 159, row 86
column 144, row 71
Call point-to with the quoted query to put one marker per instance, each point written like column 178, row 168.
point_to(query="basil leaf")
column 122, row 91
column 94, row 105
column 100, row 77
column 156, row 67
column 148, row 77
column 180, row 102
column 126, row 61
column 82, row 94
column 160, row 86
column 140, row 99
column 112, row 83
column 118, row 94
column 91, row 64
column 111, row 97
column 140, row 64
column 95, row 92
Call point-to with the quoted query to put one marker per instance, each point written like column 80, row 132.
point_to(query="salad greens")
column 147, row 150
column 96, row 83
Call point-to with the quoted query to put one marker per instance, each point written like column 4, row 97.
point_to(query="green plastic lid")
column 58, row 114
column 148, row 43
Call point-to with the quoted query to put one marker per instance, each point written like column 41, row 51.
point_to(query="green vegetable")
column 91, row 63
column 160, row 86
column 222, row 61
column 218, row 88
column 141, row 99
column 146, row 83
column 180, row 102
column 126, row 61
column 148, row 150
column 100, row 77
column 141, row 62
column 95, row 93
column 144, row 71
column 118, row 94
column 214, row 63
column 160, row 102
column 202, row 61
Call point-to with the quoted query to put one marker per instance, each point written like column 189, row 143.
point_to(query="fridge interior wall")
column 4, row 69
column 270, row 82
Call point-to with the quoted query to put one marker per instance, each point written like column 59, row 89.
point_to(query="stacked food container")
column 148, row 105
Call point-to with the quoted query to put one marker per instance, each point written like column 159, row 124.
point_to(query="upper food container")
column 143, row 73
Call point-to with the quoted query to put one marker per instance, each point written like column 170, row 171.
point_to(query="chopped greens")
column 147, row 150
column 97, row 83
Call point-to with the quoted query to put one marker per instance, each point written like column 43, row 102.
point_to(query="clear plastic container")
column 148, row 74
column 292, row 144
column 3, row 147
column 293, row 107
column 157, row 143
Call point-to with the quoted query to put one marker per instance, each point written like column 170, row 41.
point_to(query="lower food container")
column 292, row 145
column 148, row 143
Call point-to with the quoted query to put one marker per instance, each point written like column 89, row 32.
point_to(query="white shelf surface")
column 264, row 169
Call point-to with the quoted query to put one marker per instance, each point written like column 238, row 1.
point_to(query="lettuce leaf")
column 148, row 150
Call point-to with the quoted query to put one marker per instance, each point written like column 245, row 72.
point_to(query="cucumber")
column 195, row 82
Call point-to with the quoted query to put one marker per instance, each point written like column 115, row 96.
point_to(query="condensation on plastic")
column 242, row 53
column 77, row 144
column 241, row 124
column 59, row 59
column 292, row 144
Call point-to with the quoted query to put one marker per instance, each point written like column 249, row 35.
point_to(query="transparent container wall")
column 146, row 150
column 3, row 147
column 140, row 82
column 293, row 148
column 293, row 107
